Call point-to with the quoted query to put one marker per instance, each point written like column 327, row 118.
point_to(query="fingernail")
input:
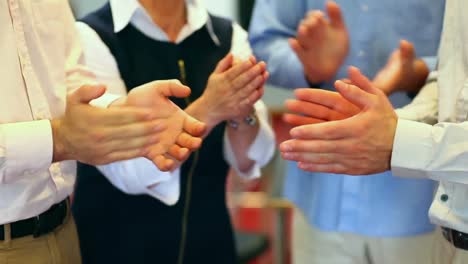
column 285, row 147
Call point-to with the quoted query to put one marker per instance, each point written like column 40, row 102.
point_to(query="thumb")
column 335, row 15
column 407, row 50
column 354, row 94
column 86, row 94
column 224, row 64
column 170, row 88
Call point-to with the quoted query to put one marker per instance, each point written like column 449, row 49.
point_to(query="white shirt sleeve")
column 136, row 176
column 25, row 149
column 424, row 107
column 437, row 152
column 263, row 147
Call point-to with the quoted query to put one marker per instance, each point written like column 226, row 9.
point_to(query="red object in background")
column 274, row 222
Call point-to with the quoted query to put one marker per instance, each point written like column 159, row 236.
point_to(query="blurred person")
column 49, row 118
column 379, row 219
column 182, row 216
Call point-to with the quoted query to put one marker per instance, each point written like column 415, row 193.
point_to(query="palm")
column 176, row 121
column 322, row 45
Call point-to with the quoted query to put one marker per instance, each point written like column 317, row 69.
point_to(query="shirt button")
column 444, row 197
column 361, row 54
column 365, row 8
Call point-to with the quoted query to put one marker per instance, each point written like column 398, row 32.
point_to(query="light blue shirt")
column 379, row 205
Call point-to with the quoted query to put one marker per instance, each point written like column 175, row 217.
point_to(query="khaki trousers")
column 446, row 253
column 58, row 247
column 312, row 246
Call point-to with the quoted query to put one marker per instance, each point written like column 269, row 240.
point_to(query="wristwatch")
column 250, row 120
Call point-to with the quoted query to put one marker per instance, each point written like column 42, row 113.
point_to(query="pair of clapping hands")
column 352, row 131
column 146, row 123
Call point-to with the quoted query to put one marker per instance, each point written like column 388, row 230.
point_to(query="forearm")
column 240, row 140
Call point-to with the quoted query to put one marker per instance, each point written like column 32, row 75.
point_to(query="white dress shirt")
column 40, row 56
column 140, row 176
column 438, row 148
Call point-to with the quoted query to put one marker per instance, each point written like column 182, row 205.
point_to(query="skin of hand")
column 360, row 144
column 131, row 127
column 313, row 106
column 231, row 92
column 182, row 133
column 403, row 71
column 321, row 44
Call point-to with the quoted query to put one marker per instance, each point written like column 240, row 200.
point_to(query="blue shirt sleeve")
column 273, row 23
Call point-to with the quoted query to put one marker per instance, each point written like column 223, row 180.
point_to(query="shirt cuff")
column 105, row 100
column 167, row 191
column 260, row 151
column 412, row 148
column 28, row 148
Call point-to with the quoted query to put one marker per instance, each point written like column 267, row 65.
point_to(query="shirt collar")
column 125, row 12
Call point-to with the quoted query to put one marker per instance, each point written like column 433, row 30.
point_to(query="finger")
column 224, row 64
column 355, row 94
column 332, row 100
column 250, row 87
column 326, row 168
column 133, row 130
column 335, row 15
column 314, row 146
column 138, row 143
column 163, row 163
column 187, row 141
column 170, row 88
column 121, row 155
column 86, row 93
column 296, row 47
column 243, row 79
column 179, row 153
column 253, row 98
column 361, row 81
column 252, row 59
column 316, row 158
column 194, row 127
column 325, row 131
column 313, row 110
column 119, row 116
column 238, row 69
column 407, row 50
column 298, row 120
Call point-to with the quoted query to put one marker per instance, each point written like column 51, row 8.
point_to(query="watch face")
column 251, row 120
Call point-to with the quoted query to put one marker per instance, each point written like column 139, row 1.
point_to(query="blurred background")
column 263, row 220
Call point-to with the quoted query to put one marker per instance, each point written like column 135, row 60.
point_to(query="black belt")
column 456, row 238
column 38, row 225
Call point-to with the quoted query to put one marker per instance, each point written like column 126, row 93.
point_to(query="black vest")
column 118, row 228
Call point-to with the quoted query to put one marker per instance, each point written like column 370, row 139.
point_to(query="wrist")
column 200, row 110
column 59, row 153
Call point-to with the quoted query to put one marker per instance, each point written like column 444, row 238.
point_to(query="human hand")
column 99, row 136
column 321, row 44
column 232, row 90
column 403, row 71
column 182, row 133
column 313, row 106
column 357, row 145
